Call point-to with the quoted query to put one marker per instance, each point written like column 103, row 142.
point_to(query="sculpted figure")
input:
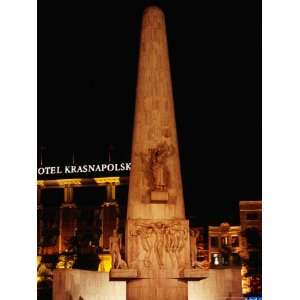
column 194, row 234
column 115, row 247
column 157, row 161
column 144, row 231
column 159, row 230
column 180, row 236
column 175, row 237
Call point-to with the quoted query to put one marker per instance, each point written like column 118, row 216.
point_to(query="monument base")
column 88, row 285
column 158, row 289
column 222, row 284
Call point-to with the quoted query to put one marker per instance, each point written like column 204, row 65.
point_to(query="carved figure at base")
column 115, row 250
column 194, row 234
column 180, row 236
column 201, row 264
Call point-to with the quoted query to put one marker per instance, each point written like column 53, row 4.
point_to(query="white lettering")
column 67, row 170
column 110, row 167
column 85, row 168
column 41, row 171
column 91, row 168
column 47, row 170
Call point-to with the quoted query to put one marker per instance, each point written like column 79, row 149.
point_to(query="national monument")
column 159, row 257
column 157, row 232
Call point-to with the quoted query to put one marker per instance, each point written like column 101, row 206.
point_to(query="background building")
column 251, row 226
column 224, row 245
column 75, row 219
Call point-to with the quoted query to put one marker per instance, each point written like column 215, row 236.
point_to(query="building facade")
column 224, row 245
column 76, row 218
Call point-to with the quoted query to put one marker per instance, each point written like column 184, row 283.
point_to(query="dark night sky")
column 87, row 63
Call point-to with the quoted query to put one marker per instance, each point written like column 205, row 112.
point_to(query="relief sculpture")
column 158, row 157
column 159, row 239
column 144, row 231
column 155, row 167
column 176, row 237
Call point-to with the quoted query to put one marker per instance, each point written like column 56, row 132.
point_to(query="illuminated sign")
column 84, row 169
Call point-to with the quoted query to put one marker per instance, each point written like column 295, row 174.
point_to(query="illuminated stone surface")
column 86, row 285
column 157, row 233
column 155, row 156
column 223, row 284
column 194, row 274
column 123, row 274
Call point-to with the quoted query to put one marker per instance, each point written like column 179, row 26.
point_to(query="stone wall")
column 221, row 284
column 72, row 284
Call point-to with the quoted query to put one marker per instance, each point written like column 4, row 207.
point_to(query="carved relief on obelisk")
column 158, row 246
column 157, row 172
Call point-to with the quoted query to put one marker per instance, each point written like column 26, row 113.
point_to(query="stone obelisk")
column 157, row 233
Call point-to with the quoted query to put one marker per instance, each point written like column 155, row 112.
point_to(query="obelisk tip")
column 153, row 10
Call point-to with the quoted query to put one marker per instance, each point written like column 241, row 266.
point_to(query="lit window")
column 216, row 259
column 224, row 241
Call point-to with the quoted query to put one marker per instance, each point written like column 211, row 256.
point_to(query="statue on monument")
column 194, row 234
column 158, row 157
column 115, row 248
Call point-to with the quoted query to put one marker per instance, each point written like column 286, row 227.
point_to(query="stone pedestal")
column 159, row 197
column 155, row 288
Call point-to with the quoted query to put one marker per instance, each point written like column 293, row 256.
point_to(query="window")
column 235, row 241
column 224, row 240
column 214, row 242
